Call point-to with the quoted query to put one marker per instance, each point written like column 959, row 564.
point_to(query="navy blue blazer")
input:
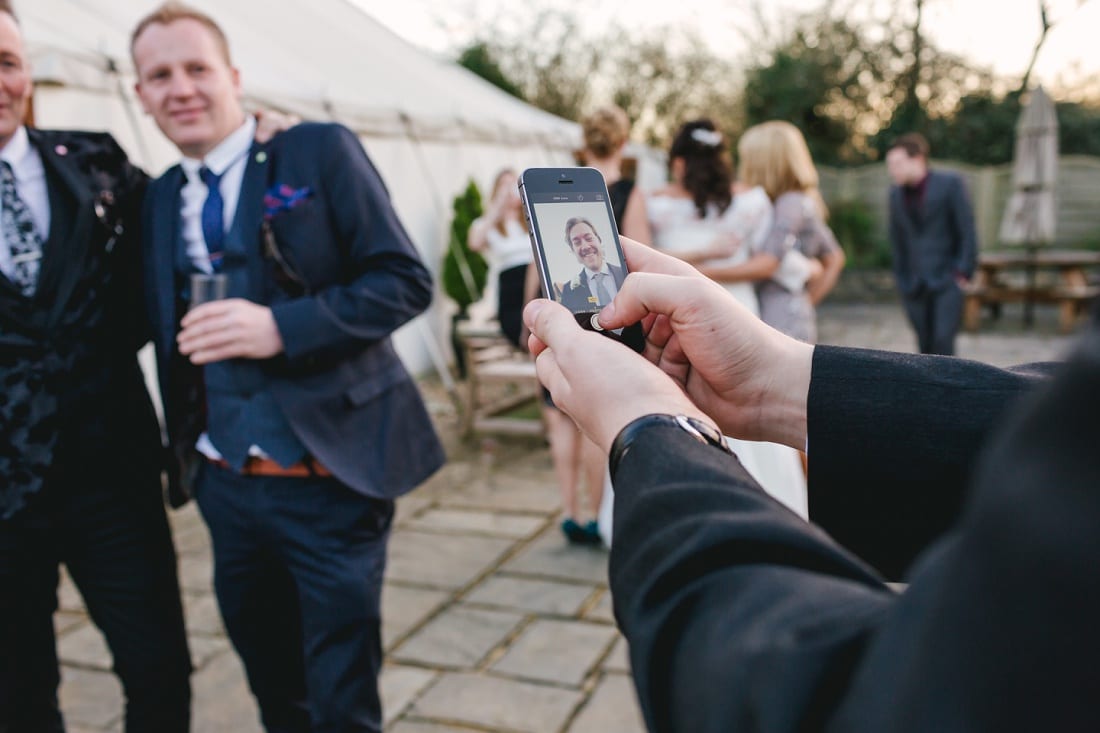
column 940, row 242
column 577, row 300
column 341, row 385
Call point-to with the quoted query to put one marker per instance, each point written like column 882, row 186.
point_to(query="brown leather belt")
column 256, row 466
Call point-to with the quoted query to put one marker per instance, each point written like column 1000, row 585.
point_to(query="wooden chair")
column 499, row 380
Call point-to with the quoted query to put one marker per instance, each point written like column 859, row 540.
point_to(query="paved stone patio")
column 492, row 622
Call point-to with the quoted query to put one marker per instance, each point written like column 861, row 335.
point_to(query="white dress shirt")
column 30, row 184
column 227, row 160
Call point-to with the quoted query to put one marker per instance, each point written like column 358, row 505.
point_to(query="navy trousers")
column 105, row 520
column 935, row 317
column 298, row 565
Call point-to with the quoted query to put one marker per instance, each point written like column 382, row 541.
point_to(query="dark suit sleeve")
column 893, row 439
column 739, row 615
column 740, row 618
column 129, row 191
column 998, row 629
column 962, row 224
column 388, row 284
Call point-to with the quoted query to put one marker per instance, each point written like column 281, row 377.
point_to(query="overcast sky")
column 995, row 33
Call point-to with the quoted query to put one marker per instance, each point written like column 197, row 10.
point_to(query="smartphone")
column 576, row 244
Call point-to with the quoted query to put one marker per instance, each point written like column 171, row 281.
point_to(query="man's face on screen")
column 586, row 246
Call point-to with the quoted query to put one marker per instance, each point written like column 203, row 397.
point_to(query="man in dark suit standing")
column 305, row 424
column 934, row 242
column 79, row 442
column 598, row 281
column 740, row 615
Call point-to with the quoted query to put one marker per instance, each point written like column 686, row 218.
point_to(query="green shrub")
column 464, row 271
column 1090, row 241
column 853, row 224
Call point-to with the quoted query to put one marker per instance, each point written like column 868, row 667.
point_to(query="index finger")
column 640, row 258
column 206, row 310
column 646, row 293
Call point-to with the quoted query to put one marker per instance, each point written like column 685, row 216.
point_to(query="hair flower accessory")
column 710, row 138
column 281, row 197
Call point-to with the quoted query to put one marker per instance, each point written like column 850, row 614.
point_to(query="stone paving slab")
column 65, row 621
column 399, row 686
column 84, row 647
column 550, row 598
column 469, row 521
column 196, row 572
column 458, row 638
column 222, row 701
column 561, row 652
column 90, row 698
column 602, row 611
column 514, row 493
column 496, row 704
column 403, row 609
column 68, row 598
column 415, row 727
column 202, row 615
column 442, row 561
column 550, row 556
column 612, row 708
column 619, row 658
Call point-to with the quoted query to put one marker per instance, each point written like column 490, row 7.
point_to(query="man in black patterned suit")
column 80, row 453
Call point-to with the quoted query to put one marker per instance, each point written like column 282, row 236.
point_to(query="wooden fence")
column 1077, row 196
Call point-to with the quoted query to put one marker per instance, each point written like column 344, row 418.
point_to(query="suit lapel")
column 162, row 243
column 72, row 211
column 246, row 220
column 900, row 210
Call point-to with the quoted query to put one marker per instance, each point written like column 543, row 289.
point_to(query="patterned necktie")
column 213, row 217
column 602, row 293
column 20, row 234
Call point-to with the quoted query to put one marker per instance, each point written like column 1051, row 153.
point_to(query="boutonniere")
column 281, row 197
column 104, row 207
column 576, row 282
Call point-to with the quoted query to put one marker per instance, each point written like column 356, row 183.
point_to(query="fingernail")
column 534, row 307
column 607, row 313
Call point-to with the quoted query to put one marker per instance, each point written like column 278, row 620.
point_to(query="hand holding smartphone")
column 576, row 243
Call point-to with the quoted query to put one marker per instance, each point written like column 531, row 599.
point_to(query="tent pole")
column 139, row 136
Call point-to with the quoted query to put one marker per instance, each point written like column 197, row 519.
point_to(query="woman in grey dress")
column 774, row 156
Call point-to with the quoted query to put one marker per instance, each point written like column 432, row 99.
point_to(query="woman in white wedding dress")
column 698, row 218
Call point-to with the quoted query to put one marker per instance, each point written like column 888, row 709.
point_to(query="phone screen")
column 579, row 241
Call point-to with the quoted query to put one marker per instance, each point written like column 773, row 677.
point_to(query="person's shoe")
column 575, row 533
column 593, row 531
column 578, row 535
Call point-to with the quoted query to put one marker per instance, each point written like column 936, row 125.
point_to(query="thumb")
column 551, row 323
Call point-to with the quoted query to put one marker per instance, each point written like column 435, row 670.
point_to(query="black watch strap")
column 703, row 432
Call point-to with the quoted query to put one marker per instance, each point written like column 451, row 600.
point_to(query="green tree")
column 478, row 58
column 823, row 77
column 464, row 271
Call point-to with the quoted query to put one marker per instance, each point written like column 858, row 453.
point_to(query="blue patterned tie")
column 213, row 217
column 20, row 234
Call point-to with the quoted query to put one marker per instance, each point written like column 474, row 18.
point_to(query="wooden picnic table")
column 1069, row 286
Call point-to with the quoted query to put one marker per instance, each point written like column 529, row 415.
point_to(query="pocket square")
column 281, row 197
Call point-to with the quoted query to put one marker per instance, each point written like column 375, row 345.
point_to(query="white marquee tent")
column 429, row 125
